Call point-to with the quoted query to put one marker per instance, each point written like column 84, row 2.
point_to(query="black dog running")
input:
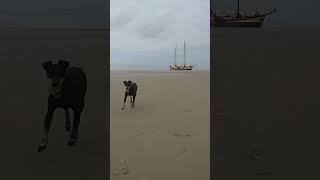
column 67, row 90
column 131, row 90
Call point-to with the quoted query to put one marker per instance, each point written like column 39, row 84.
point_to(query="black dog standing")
column 131, row 90
column 67, row 89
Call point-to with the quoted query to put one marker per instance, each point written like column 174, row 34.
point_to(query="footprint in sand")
column 179, row 134
column 253, row 154
column 180, row 99
column 182, row 148
column 123, row 170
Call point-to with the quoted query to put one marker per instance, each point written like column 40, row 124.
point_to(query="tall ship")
column 236, row 19
column 175, row 67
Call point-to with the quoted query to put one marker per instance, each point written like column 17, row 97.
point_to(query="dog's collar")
column 56, row 95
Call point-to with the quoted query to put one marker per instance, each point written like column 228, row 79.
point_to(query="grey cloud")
column 156, row 27
column 120, row 21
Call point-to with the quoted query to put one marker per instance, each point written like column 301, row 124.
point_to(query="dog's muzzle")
column 55, row 88
column 127, row 89
column 55, row 92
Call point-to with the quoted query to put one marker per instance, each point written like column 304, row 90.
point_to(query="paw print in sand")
column 123, row 170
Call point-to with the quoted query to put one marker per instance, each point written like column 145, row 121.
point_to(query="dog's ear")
column 64, row 63
column 125, row 82
column 46, row 65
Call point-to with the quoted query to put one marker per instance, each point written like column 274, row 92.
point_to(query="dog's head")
column 56, row 74
column 127, row 85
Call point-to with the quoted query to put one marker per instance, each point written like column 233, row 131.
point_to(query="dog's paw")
column 72, row 142
column 68, row 127
column 41, row 148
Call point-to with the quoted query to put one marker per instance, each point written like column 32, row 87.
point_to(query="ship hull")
column 181, row 68
column 253, row 22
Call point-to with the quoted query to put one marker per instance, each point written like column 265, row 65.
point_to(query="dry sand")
column 24, row 100
column 166, row 135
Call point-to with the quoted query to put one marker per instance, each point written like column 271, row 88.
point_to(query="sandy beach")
column 266, row 103
column 166, row 135
column 24, row 103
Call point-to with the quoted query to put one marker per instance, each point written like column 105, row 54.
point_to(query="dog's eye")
column 49, row 75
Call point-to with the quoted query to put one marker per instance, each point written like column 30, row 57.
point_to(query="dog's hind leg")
column 47, row 124
column 68, row 123
column 134, row 99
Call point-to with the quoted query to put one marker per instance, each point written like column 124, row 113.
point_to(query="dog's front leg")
column 47, row 124
column 75, row 127
column 124, row 101
column 68, row 123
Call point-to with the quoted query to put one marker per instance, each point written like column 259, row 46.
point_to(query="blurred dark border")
column 24, row 45
column 265, row 95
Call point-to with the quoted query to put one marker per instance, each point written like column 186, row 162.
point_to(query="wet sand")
column 166, row 134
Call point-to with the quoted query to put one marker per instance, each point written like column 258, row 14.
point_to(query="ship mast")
column 238, row 9
column 175, row 55
column 184, row 54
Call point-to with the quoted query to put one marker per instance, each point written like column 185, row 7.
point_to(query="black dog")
column 131, row 90
column 67, row 89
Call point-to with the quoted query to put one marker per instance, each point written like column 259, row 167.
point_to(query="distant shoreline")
column 155, row 70
column 270, row 28
column 152, row 72
column 52, row 29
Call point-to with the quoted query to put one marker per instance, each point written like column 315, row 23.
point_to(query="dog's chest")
column 129, row 92
column 63, row 101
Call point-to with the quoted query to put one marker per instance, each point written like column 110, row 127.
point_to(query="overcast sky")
column 144, row 33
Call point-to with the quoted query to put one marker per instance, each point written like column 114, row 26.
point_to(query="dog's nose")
column 55, row 84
